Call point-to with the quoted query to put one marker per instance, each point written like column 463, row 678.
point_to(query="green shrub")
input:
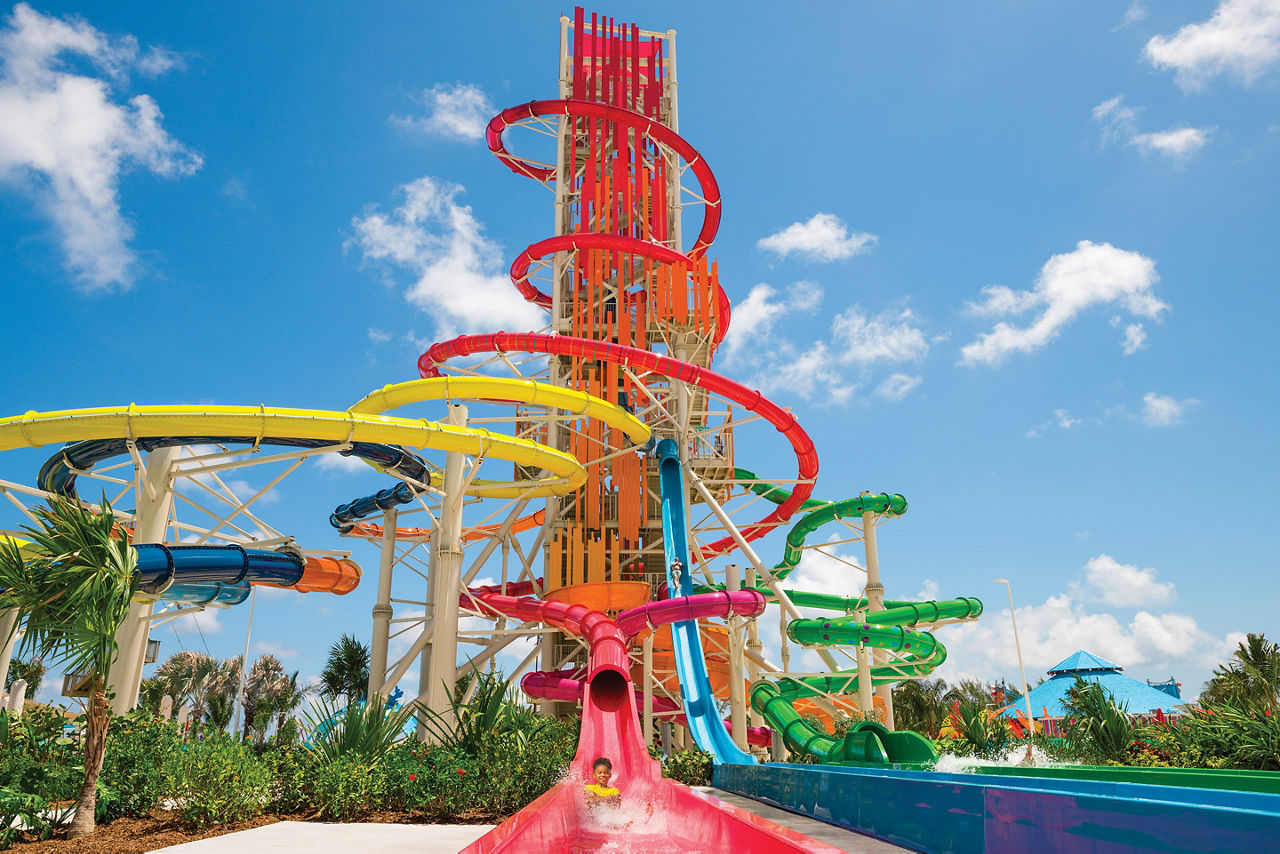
column 25, row 810
column 348, row 788
column 986, row 734
column 292, row 777
column 135, row 770
column 218, row 780
column 35, row 758
column 1220, row 736
column 691, row 767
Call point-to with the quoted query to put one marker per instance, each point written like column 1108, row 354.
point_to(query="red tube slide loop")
column 751, row 399
column 649, row 128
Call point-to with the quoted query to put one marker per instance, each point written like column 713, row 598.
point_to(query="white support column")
column 382, row 610
column 9, row 637
column 446, row 570
column 875, row 600
column 151, row 520
column 756, row 648
column 737, row 692
column 648, row 688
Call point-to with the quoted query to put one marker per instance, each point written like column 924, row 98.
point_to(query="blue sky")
column 1016, row 264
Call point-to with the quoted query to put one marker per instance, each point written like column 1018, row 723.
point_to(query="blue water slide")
column 211, row 575
column 700, row 710
column 59, row 472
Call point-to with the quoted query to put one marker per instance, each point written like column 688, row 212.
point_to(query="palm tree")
column 1251, row 678
column 290, row 699
column 220, row 709
column 31, row 670
column 921, row 705
column 73, row 584
column 190, row 677
column 346, row 673
column 971, row 691
column 266, row 680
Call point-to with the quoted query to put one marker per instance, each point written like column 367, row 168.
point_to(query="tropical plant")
column 1251, row 679
column 362, row 732
column 32, row 670
column 219, row 711
column 491, row 710
column 73, row 584
column 195, row 677
column 1096, row 726
column 971, row 691
column 985, row 732
column 289, row 700
column 346, row 672
column 920, row 705
column 265, row 681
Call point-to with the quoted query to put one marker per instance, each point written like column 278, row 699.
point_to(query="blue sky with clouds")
column 1016, row 263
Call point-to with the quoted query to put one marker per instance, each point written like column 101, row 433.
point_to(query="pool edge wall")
column 993, row 815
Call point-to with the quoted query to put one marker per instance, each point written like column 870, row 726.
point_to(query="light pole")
column 1022, row 671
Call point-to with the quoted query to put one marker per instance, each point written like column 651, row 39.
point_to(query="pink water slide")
column 568, row 685
column 656, row 814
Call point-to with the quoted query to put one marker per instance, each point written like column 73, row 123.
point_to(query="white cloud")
column 1148, row 645
column 884, row 338
column 1093, row 274
column 66, row 139
column 929, row 590
column 898, row 386
column 824, row 237
column 1061, row 418
column 1160, row 411
column 1135, row 337
column 461, row 111
column 1177, row 143
column 279, row 650
column 1242, row 39
column 1119, row 124
column 753, row 318
column 342, row 464
column 457, row 269
column 377, row 336
column 207, row 621
column 234, row 188
column 1122, row 585
column 1135, row 13
column 1118, row 120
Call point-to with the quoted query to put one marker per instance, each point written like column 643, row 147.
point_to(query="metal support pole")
column 784, row 601
column 875, row 602
column 244, row 670
column 446, row 569
column 1017, row 644
column 382, row 610
column 150, row 521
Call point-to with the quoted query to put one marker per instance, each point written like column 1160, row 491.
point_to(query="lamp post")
column 1022, row 671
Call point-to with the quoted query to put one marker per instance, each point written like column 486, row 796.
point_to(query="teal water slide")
column 704, row 720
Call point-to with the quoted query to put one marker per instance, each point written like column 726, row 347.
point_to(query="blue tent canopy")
column 1137, row 698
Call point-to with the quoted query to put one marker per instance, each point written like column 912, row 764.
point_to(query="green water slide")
column 893, row 628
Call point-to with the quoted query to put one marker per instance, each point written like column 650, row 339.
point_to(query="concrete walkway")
column 845, row 840
column 298, row 836
column 334, row 838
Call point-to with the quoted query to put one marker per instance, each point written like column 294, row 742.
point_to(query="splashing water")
column 1016, row 755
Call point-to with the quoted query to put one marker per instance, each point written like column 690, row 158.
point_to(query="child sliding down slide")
column 600, row 792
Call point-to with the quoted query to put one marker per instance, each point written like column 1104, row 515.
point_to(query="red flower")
column 461, row 772
column 412, row 777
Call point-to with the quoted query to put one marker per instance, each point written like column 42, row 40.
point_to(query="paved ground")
column 846, row 840
column 388, row 838
column 333, row 838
